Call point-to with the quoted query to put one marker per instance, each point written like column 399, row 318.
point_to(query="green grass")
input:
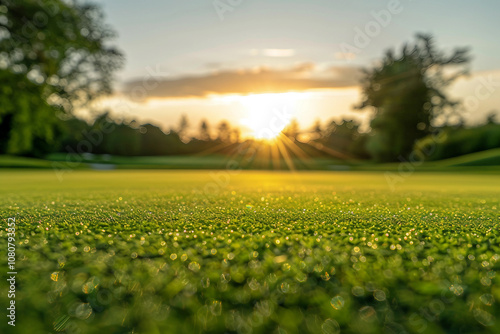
column 485, row 161
column 253, row 252
column 8, row 161
column 194, row 162
column 484, row 158
column 170, row 162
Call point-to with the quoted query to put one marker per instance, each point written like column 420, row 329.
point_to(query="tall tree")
column 406, row 93
column 492, row 117
column 224, row 131
column 292, row 129
column 317, row 129
column 183, row 126
column 204, row 131
column 235, row 135
column 54, row 57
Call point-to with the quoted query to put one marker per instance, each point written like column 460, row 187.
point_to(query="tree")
column 344, row 136
column 492, row 117
column 54, row 58
column 224, row 132
column 317, row 129
column 292, row 130
column 406, row 93
column 153, row 141
column 204, row 131
column 235, row 135
column 183, row 126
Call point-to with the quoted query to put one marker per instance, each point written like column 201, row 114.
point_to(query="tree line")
column 57, row 57
column 106, row 135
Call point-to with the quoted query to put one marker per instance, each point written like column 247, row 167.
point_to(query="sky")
column 222, row 59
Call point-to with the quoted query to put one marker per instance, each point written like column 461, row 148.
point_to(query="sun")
column 268, row 114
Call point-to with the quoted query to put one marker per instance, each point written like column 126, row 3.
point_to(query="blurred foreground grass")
column 253, row 252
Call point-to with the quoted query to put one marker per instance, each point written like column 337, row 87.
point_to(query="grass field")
column 486, row 160
column 252, row 252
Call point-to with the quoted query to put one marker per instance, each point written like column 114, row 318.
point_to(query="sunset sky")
column 208, row 59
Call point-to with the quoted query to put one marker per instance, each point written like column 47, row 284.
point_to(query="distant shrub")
column 454, row 142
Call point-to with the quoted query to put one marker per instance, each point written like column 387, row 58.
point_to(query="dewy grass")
column 252, row 252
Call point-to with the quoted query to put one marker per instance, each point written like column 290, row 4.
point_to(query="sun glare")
column 268, row 114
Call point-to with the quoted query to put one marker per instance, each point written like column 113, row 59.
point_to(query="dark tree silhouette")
column 317, row 129
column 204, row 131
column 183, row 126
column 224, row 132
column 492, row 117
column 292, row 129
column 235, row 135
column 56, row 57
column 345, row 137
column 406, row 93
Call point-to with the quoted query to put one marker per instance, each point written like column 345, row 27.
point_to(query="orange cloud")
column 263, row 80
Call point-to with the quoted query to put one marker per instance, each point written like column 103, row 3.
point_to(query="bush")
column 453, row 142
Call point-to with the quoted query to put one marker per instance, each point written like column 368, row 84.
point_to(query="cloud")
column 345, row 55
column 278, row 52
column 273, row 52
column 257, row 80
